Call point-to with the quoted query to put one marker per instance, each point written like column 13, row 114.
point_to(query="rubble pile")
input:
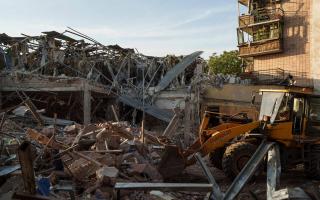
column 88, row 156
column 77, row 161
column 73, row 161
column 43, row 136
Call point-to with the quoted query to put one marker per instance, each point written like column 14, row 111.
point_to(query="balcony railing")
column 260, row 48
column 278, row 76
column 260, row 16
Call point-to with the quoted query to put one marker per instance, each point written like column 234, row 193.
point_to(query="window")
column 314, row 117
column 298, row 111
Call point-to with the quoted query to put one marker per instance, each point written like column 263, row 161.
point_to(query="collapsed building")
column 84, row 81
column 57, row 90
column 98, row 115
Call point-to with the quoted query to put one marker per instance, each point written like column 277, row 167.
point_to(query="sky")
column 153, row 27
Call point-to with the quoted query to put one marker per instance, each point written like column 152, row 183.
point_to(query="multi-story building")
column 282, row 37
column 278, row 37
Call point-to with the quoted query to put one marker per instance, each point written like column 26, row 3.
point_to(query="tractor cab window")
column 297, row 115
column 270, row 105
column 314, row 117
column 284, row 109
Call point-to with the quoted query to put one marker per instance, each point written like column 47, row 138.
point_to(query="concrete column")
column 315, row 43
column 187, row 122
column 86, row 105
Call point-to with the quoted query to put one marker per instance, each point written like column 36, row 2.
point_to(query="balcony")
column 261, row 16
column 260, row 48
column 260, row 32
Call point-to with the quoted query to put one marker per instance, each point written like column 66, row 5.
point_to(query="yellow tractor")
column 290, row 117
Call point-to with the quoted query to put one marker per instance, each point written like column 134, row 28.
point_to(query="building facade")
column 283, row 37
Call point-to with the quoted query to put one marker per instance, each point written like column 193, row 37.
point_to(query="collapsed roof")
column 126, row 73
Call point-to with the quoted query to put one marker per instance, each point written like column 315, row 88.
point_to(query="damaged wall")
column 234, row 98
column 315, row 44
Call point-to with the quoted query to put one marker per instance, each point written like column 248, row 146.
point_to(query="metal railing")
column 278, row 76
column 260, row 16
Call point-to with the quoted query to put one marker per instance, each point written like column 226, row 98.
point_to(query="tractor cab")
column 291, row 114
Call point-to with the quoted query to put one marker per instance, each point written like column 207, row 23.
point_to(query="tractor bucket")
column 172, row 162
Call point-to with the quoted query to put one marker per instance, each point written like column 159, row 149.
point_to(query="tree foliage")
column 226, row 63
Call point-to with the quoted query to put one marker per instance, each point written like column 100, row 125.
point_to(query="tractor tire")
column 235, row 157
column 216, row 157
column 312, row 165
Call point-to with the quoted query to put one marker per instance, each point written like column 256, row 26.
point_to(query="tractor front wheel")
column 235, row 158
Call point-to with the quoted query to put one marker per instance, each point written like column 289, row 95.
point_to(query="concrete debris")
column 93, row 157
column 107, row 173
column 98, row 158
column 72, row 129
column 82, row 169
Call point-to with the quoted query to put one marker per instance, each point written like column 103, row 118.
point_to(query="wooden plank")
column 88, row 158
column 33, row 110
column 25, row 159
column 115, row 113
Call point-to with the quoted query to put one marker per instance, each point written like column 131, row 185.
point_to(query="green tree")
column 226, row 63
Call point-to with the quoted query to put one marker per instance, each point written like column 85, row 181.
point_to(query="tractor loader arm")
column 217, row 139
column 220, row 138
column 208, row 141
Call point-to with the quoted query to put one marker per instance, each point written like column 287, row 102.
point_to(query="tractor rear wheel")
column 312, row 165
column 235, row 158
column 216, row 157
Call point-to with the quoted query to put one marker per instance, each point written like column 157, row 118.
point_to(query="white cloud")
column 150, row 33
column 202, row 15
column 169, row 29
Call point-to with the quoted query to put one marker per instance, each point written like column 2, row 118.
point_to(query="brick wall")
column 315, row 43
column 296, row 43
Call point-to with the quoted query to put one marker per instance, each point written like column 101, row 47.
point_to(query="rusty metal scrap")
column 44, row 140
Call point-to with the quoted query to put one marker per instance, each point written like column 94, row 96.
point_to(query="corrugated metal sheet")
column 176, row 70
column 151, row 110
